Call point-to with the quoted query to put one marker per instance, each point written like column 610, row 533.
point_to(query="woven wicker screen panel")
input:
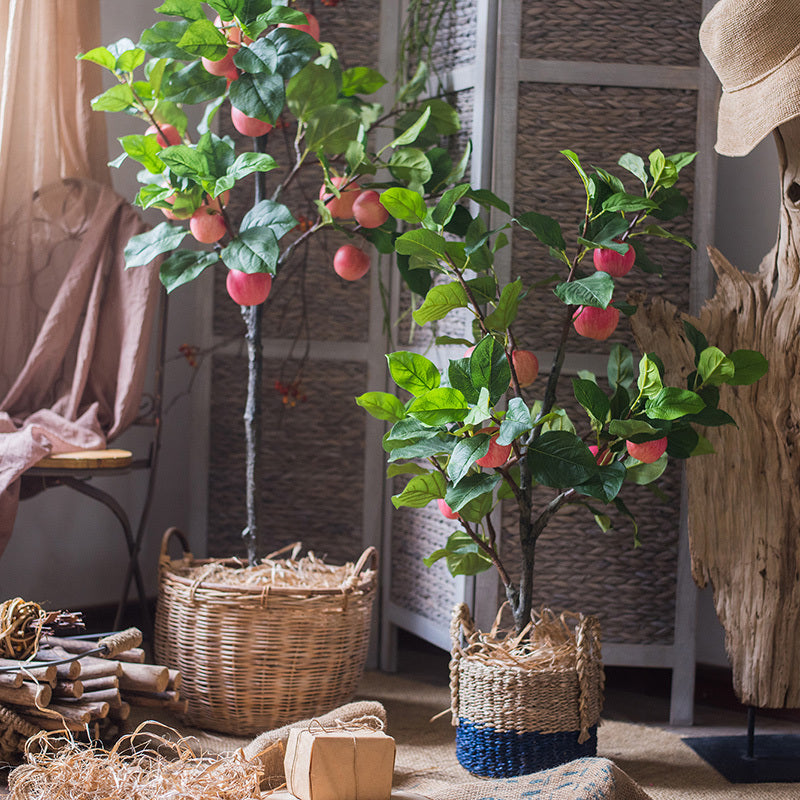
column 621, row 31
column 456, row 43
column 313, row 459
column 599, row 124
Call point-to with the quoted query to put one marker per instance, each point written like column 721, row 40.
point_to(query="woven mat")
column 657, row 760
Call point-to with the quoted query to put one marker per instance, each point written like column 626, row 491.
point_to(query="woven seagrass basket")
column 523, row 709
column 252, row 659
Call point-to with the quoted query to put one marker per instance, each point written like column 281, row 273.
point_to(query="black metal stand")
column 768, row 758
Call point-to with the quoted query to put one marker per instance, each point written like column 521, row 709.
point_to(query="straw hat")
column 754, row 47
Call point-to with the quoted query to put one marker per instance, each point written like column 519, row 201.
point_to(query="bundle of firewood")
column 74, row 682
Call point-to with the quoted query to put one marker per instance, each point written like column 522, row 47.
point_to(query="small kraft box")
column 354, row 763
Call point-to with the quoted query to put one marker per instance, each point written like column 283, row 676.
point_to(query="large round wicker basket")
column 518, row 715
column 255, row 659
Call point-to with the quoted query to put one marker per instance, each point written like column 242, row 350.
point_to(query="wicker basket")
column 255, row 659
column 515, row 718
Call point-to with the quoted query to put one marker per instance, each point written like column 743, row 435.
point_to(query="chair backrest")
column 77, row 326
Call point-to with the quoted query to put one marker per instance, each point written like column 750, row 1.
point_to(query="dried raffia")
column 141, row 766
column 21, row 627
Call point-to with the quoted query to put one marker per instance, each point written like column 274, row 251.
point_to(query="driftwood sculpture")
column 744, row 501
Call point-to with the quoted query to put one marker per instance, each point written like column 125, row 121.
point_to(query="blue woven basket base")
column 490, row 753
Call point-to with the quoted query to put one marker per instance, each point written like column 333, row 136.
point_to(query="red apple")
column 311, row 27
column 595, row 323
column 207, row 225
column 447, row 512
column 647, row 452
column 220, row 201
column 606, row 457
column 498, row 453
column 612, row 262
column 351, row 263
column 224, row 67
column 341, row 207
column 526, row 365
column 248, row 289
column 169, row 134
column 368, row 211
column 248, row 126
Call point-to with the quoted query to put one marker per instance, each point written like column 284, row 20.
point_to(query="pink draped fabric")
column 74, row 329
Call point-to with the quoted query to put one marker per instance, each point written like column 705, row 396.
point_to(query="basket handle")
column 460, row 624
column 369, row 556
column 587, row 642
column 167, row 537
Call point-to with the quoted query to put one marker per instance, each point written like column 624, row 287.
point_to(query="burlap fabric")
column 582, row 779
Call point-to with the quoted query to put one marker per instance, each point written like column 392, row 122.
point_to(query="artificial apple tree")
column 468, row 435
column 264, row 61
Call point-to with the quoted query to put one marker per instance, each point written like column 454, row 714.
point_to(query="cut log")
column 72, row 689
column 135, row 654
column 98, row 684
column 35, row 672
column 143, row 678
column 11, row 680
column 27, row 695
column 175, row 680
column 744, row 507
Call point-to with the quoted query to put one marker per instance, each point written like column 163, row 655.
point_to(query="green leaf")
column 507, row 307
column 440, row 406
column 294, row 48
column 130, row 60
column 144, row 247
column 382, row 405
column 312, row 88
column 642, row 474
column 620, row 367
column 185, row 161
column 272, row 215
column 595, row 290
column 145, row 150
column 440, row 301
column 671, row 403
column 418, row 280
column 478, row 508
column 434, row 445
column 443, row 117
column 575, row 161
column 117, row 98
column 258, row 57
column 420, row 490
column 161, row 40
column 184, row 266
column 480, row 409
column 413, row 372
column 330, row 129
column 544, row 228
column 516, row 422
column 466, row 452
column 227, row 9
column 101, row 56
column 605, row 485
column 488, row 368
column 635, row 165
column 703, row 447
column 193, row 84
column 470, row 487
column 622, row 201
column 657, row 230
column 188, row 9
column 643, row 261
column 409, row 429
column 483, row 288
column 426, row 245
column 462, row 555
column 696, row 339
column 681, row 441
column 361, row 80
column 487, row 199
column 649, row 381
column 405, row 469
column 592, row 398
column 671, row 203
column 628, row 428
column 404, row 204
column 203, row 39
column 253, row 250
column 749, row 366
column 258, row 96
column 411, row 166
column 443, row 212
column 561, row 460
column 715, row 367
column 411, row 134
column 657, row 165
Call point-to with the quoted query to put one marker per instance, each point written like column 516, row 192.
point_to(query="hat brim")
column 746, row 116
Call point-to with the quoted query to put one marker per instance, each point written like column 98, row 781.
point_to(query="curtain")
column 47, row 128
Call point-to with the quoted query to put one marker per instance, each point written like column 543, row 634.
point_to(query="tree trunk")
column 744, row 503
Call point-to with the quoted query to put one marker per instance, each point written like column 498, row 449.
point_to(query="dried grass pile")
column 291, row 572
column 141, row 766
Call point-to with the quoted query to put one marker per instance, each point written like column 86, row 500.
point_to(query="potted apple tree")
column 471, row 435
column 261, row 62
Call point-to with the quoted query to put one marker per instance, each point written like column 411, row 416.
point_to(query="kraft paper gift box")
column 339, row 764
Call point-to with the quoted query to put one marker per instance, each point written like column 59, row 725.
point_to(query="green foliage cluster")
column 448, row 416
column 284, row 77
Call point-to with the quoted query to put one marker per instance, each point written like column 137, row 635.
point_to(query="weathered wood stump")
column 744, row 501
